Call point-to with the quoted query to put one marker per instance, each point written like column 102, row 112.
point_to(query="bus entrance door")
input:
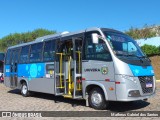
column 73, row 83
column 13, row 68
column 68, row 69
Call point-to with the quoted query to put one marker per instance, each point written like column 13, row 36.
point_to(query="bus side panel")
column 99, row 73
column 7, row 75
column 35, row 74
column 44, row 85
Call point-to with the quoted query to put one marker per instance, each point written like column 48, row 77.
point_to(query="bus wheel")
column 97, row 99
column 24, row 90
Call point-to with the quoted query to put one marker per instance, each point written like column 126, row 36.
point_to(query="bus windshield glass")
column 123, row 45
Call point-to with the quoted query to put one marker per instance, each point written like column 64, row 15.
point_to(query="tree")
column 145, row 32
column 150, row 50
column 18, row 38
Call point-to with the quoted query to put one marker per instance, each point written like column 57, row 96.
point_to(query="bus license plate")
column 148, row 85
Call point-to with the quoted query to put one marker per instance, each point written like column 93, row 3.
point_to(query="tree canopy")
column 145, row 32
column 18, row 38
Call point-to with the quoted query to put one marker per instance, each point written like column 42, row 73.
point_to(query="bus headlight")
column 129, row 78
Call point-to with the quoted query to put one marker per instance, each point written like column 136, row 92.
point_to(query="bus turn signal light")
column 111, row 88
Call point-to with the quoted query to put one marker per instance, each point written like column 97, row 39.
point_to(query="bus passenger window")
column 49, row 51
column 8, row 57
column 24, row 54
column 36, row 52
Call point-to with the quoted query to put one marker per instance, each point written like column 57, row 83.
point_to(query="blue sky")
column 72, row 15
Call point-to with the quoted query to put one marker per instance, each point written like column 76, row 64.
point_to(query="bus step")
column 59, row 94
column 68, row 96
column 78, row 97
column 79, row 89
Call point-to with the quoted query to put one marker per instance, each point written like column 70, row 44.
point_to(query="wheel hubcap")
column 96, row 98
column 24, row 89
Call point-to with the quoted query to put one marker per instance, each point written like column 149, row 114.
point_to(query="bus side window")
column 49, row 51
column 96, row 51
column 24, row 54
column 36, row 52
column 8, row 57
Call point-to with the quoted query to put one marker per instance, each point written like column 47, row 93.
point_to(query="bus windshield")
column 123, row 45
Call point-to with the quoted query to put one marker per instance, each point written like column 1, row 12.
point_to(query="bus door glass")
column 13, row 69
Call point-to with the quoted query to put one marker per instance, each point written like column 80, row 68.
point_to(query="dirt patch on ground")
column 156, row 65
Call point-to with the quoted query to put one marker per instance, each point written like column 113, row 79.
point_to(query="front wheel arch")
column 96, row 97
column 91, row 86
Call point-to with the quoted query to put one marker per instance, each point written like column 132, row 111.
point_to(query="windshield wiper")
column 140, row 57
column 145, row 57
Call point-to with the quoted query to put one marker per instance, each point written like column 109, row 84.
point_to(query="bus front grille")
column 146, row 84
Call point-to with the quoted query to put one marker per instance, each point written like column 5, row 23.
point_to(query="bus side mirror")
column 95, row 38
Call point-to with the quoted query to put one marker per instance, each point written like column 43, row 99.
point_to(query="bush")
column 151, row 50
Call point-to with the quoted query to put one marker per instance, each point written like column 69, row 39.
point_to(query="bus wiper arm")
column 146, row 58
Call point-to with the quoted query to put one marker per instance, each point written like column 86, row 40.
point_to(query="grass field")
column 156, row 65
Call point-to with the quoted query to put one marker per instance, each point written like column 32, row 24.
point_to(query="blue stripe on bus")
column 35, row 70
column 7, row 70
column 142, row 71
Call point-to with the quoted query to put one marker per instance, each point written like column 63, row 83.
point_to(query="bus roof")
column 61, row 35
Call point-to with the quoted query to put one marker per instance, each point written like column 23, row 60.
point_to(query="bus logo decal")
column 104, row 70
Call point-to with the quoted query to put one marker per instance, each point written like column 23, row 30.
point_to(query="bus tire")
column 24, row 90
column 97, row 100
